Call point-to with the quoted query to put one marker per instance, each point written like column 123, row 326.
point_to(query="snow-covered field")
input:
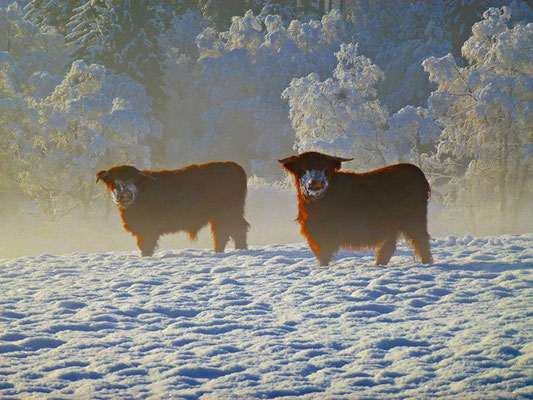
column 269, row 323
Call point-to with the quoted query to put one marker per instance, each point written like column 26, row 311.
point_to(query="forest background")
column 88, row 84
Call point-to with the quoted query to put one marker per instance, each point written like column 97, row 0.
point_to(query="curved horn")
column 290, row 163
column 142, row 173
column 101, row 175
column 339, row 159
column 287, row 159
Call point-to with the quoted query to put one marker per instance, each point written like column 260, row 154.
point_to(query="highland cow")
column 359, row 210
column 154, row 203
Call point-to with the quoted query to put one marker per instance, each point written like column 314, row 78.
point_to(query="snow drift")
column 269, row 323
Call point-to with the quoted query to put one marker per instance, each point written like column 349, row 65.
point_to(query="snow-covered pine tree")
column 287, row 10
column 135, row 47
column 89, row 25
column 123, row 36
column 220, row 12
column 461, row 15
column 398, row 35
column 55, row 13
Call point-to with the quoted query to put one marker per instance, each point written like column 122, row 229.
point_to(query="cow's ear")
column 291, row 164
column 101, row 175
column 335, row 162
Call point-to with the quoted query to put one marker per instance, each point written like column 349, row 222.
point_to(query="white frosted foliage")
column 340, row 115
column 412, row 135
column 486, row 111
column 88, row 125
column 226, row 104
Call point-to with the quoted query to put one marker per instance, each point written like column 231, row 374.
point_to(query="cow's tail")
column 244, row 192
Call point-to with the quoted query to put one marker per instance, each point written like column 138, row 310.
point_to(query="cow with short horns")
column 338, row 209
column 154, row 203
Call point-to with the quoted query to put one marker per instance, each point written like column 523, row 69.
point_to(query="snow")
column 268, row 322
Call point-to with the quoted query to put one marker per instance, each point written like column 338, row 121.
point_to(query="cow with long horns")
column 154, row 203
column 338, row 209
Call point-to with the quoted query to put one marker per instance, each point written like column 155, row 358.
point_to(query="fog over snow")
column 88, row 85
column 269, row 323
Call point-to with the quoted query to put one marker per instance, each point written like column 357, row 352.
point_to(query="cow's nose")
column 316, row 185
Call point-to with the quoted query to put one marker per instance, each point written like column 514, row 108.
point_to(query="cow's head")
column 313, row 172
column 124, row 182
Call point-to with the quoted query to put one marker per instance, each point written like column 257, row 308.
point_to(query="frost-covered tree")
column 123, row 36
column 17, row 119
column 486, row 110
column 341, row 115
column 412, row 136
column 180, row 38
column 135, row 48
column 32, row 62
column 92, row 120
column 39, row 53
column 54, row 13
column 461, row 15
column 227, row 103
column 398, row 35
column 287, row 10
column 89, row 25
column 220, row 12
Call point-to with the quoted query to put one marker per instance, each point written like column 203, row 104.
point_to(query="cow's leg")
column 220, row 235
column 326, row 255
column 147, row 243
column 240, row 240
column 324, row 252
column 419, row 238
column 239, row 231
column 322, row 247
column 385, row 252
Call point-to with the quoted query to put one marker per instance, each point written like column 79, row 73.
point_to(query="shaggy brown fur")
column 362, row 210
column 181, row 200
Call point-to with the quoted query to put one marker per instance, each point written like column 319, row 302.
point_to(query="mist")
column 180, row 84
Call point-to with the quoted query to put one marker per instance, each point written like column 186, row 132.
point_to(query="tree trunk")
column 341, row 6
column 321, row 7
column 504, row 154
column 522, row 175
column 419, row 148
column 8, row 36
column 470, row 206
column 330, row 5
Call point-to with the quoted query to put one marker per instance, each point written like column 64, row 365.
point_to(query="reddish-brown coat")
column 363, row 210
column 184, row 200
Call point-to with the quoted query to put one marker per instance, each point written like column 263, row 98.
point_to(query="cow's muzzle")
column 313, row 184
column 124, row 194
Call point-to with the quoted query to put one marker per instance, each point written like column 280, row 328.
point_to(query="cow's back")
column 186, row 199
